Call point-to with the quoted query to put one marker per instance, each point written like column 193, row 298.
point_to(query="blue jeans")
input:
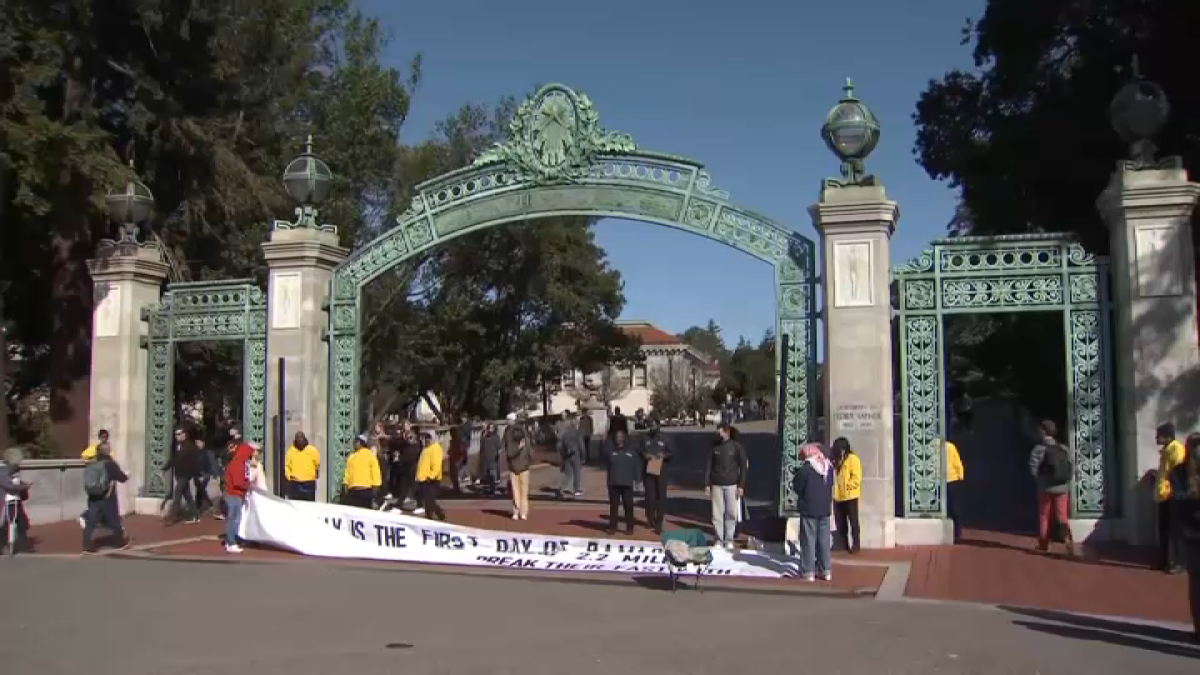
column 814, row 546
column 233, row 518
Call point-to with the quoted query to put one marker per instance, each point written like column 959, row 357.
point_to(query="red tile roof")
column 649, row 334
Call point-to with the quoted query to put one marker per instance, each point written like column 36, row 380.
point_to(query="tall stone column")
column 126, row 279
column 856, row 225
column 1157, row 357
column 301, row 262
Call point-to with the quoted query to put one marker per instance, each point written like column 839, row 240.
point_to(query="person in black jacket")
column 106, row 509
column 187, row 463
column 656, row 453
column 725, row 483
column 1185, row 510
column 489, row 460
column 813, row 482
column 622, row 472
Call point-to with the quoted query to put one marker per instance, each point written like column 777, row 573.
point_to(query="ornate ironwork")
column 193, row 312
column 1025, row 273
column 558, row 161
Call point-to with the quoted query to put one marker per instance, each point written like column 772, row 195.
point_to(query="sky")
column 742, row 87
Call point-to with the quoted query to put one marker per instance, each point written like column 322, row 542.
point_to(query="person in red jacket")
column 237, row 483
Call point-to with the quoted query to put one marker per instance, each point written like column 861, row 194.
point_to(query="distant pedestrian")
column 13, row 493
column 302, row 467
column 457, row 456
column 813, row 483
column 1170, row 455
column 847, row 488
column 1185, row 502
column 622, row 474
column 100, row 478
column 955, row 473
column 725, row 483
column 489, row 460
column 520, row 461
column 657, row 451
column 617, row 422
column 1052, row 469
column 586, row 429
column 186, row 463
column 570, row 454
column 429, row 478
column 362, row 477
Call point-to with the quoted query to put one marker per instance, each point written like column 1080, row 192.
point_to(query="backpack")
column 1056, row 465
column 96, row 481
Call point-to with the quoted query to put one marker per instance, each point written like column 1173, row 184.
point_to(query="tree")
column 751, row 369
column 672, row 392
column 707, row 339
column 609, row 384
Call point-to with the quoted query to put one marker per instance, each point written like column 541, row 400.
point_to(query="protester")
column 186, row 463
column 847, row 488
column 1185, row 503
column 457, row 456
column 238, row 475
column 1051, row 466
column 15, row 492
column 725, row 482
column 954, row 487
column 235, row 439
column 256, row 471
column 410, row 456
column 622, row 474
column 100, row 478
column 489, row 459
column 570, row 453
column 656, row 451
column 520, row 461
column 362, row 477
column 1170, row 455
column 302, row 467
column 429, row 478
column 813, row 483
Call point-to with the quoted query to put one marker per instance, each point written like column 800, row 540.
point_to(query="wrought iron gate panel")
column 578, row 170
column 196, row 312
column 977, row 275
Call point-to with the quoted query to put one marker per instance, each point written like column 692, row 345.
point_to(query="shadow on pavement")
column 1120, row 639
column 1160, row 633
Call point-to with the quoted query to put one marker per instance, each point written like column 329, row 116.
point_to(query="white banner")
column 334, row 531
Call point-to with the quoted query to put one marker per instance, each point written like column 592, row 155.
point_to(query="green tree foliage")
column 707, row 339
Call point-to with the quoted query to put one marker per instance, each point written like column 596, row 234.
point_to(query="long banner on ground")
column 331, row 530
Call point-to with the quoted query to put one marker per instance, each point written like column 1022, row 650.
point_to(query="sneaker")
column 125, row 543
column 524, row 516
column 218, row 516
column 578, row 493
column 82, row 523
column 516, row 516
column 418, row 512
column 808, row 577
column 827, row 576
column 233, row 548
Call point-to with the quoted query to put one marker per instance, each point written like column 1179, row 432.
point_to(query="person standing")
column 847, row 488
column 238, row 475
column 520, row 461
column 1185, row 502
column 955, row 474
column 657, row 451
column 457, row 455
column 618, row 422
column 429, row 478
column 725, row 483
column 1051, row 466
column 14, row 492
column 586, row 428
column 489, row 459
column 100, row 478
column 302, row 467
column 622, row 473
column 362, row 477
column 570, row 453
column 186, row 464
column 813, row 483
column 1170, row 455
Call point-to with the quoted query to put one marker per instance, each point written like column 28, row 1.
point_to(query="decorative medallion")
column 555, row 137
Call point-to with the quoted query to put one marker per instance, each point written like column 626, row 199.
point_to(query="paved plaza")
column 104, row 615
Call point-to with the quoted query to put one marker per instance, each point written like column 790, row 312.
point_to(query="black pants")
column 302, row 491
column 1193, row 566
column 622, row 494
column 102, row 512
column 363, row 498
column 1169, row 541
column 846, row 516
column 953, row 502
column 200, row 485
column 183, row 493
column 656, row 500
column 427, row 493
column 405, row 482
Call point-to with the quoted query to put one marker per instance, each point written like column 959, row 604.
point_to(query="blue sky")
column 741, row 86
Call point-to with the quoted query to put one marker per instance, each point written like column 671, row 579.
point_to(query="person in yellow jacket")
column 362, row 478
column 90, row 451
column 302, row 467
column 1170, row 455
column 429, row 477
column 847, row 488
column 954, row 487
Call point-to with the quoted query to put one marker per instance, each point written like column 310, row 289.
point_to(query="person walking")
column 362, row 477
column 429, row 478
column 570, row 453
column 302, row 467
column 813, row 483
column 89, row 453
column 847, row 488
column 955, row 473
column 14, row 491
column 1170, row 455
column 520, row 461
column 587, row 427
column 622, row 472
column 1052, row 468
column 100, row 478
column 186, row 464
column 1185, row 503
column 489, row 460
column 656, row 451
column 238, row 475
column 725, row 483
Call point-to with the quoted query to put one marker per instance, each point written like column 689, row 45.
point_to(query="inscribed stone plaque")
column 285, row 300
column 855, row 417
column 575, row 199
column 853, row 278
column 1159, row 267
column 106, row 320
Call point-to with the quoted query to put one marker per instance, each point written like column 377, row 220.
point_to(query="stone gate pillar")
column 1157, row 357
column 856, row 224
column 301, row 262
column 126, row 279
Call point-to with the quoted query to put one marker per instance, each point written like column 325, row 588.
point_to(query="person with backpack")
column 1051, row 466
column 100, row 477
